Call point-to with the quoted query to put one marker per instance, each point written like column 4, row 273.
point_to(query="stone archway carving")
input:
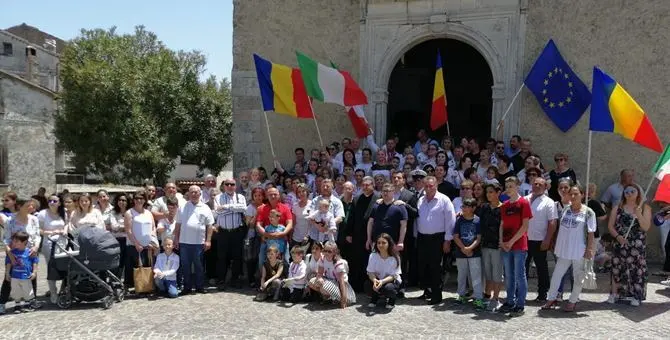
column 387, row 36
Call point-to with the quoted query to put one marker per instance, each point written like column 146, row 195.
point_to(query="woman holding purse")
column 251, row 246
column 141, row 236
column 574, row 244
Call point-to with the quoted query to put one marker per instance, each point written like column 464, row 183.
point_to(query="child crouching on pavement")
column 467, row 236
column 271, row 274
column 293, row 287
column 20, row 269
column 165, row 269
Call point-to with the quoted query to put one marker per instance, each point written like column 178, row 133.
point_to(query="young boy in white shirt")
column 165, row 269
column 293, row 287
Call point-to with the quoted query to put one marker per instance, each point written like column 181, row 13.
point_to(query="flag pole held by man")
column 438, row 113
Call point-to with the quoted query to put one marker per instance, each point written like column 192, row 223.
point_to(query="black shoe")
column 201, row 291
column 433, row 302
column 541, row 299
column 468, row 294
column 401, row 294
column 390, row 302
column 516, row 311
column 236, row 284
column 424, row 296
column 505, row 308
column 221, row 287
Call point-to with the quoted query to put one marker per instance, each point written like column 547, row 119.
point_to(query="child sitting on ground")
column 165, row 269
column 271, row 274
column 21, row 272
column 294, row 286
column 324, row 221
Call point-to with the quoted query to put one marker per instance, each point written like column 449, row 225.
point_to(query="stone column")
column 380, row 98
column 248, row 123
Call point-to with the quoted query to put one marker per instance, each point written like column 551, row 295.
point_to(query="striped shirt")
column 229, row 210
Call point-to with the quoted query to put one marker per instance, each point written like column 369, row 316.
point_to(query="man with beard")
column 357, row 233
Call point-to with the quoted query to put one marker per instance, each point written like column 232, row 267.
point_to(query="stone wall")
column 46, row 62
column 27, row 134
column 275, row 29
column 628, row 40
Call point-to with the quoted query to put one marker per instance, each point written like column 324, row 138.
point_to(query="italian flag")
column 662, row 171
column 328, row 84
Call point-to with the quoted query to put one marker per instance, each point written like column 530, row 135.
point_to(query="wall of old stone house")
column 46, row 62
column 628, row 40
column 27, row 134
column 275, row 29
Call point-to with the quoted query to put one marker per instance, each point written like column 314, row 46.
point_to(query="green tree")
column 131, row 106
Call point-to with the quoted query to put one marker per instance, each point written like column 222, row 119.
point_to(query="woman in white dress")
column 141, row 234
column 118, row 228
column 52, row 229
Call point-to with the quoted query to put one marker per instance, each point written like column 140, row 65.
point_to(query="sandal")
column 549, row 305
column 569, row 307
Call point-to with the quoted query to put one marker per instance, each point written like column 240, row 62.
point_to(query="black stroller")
column 87, row 261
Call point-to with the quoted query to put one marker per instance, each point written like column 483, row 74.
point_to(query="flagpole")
column 267, row 125
column 318, row 131
column 588, row 167
column 644, row 198
column 510, row 106
column 448, row 130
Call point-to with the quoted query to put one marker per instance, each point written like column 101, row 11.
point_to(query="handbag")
column 144, row 276
column 590, row 279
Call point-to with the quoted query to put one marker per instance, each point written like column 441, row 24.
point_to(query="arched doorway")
column 468, row 81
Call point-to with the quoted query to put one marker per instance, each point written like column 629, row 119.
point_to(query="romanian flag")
column 438, row 114
column 614, row 110
column 282, row 89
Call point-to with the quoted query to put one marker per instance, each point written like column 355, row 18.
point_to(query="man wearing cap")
column 417, row 178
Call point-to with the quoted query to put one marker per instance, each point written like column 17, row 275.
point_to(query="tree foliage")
column 131, row 107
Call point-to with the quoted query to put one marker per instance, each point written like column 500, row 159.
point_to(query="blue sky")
column 204, row 25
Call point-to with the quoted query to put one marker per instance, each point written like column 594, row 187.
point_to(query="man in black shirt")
column 357, row 233
column 443, row 186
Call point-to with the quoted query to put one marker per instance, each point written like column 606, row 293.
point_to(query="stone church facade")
column 627, row 39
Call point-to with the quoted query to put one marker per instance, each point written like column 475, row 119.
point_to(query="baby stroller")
column 88, row 263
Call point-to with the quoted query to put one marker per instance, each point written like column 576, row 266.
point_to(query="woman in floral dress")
column 629, row 263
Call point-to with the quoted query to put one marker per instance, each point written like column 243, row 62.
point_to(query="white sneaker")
column 372, row 305
column 635, row 302
column 493, row 305
column 612, row 299
column 666, row 282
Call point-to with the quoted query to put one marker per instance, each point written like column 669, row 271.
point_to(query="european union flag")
column 560, row 93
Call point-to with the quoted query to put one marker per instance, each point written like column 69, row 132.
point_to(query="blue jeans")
column 167, row 286
column 516, row 283
column 191, row 256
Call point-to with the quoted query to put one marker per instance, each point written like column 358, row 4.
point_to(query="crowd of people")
column 347, row 220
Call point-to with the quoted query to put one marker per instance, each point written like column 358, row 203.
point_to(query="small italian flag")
column 328, row 84
column 662, row 171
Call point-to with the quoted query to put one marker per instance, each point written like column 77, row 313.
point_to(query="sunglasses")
column 230, row 184
column 53, row 201
column 630, row 191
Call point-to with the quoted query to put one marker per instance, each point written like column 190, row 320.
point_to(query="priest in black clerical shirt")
column 357, row 234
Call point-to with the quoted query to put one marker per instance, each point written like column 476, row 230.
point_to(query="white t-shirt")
column 382, row 268
column 544, row 210
column 48, row 222
column 331, row 270
column 169, row 228
column 570, row 243
column 194, row 219
column 160, row 206
column 300, row 223
column 142, row 225
column 297, row 270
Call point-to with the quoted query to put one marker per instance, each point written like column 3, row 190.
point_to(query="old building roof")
column 5, row 74
column 36, row 36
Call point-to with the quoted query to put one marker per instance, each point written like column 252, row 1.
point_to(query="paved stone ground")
column 234, row 315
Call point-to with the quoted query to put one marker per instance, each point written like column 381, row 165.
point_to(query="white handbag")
column 590, row 279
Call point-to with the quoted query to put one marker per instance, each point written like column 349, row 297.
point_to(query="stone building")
column 28, row 88
column 487, row 47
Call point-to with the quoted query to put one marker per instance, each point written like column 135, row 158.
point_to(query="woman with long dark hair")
column 118, row 229
column 251, row 246
column 52, row 228
column 384, row 272
column 141, row 234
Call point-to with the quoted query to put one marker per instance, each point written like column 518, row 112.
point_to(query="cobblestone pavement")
column 233, row 314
